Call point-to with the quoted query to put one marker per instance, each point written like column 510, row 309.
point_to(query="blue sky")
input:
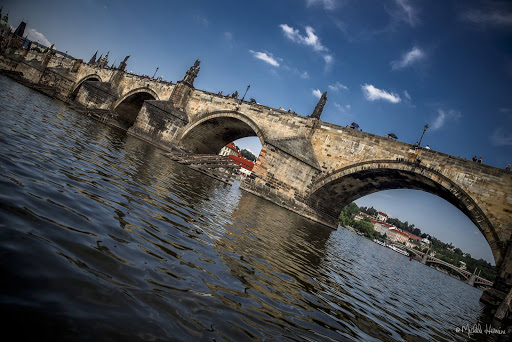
column 391, row 66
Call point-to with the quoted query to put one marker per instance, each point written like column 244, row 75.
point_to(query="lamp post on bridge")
column 155, row 72
column 418, row 144
column 246, row 90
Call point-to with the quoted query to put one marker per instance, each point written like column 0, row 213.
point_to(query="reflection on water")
column 103, row 238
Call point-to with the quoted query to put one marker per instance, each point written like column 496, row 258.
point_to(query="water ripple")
column 104, row 238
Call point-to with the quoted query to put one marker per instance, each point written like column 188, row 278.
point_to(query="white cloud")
column 228, row 35
column 326, row 4
column 371, row 93
column 337, row 86
column 407, row 13
column 408, row 58
column 317, row 93
column 36, row 36
column 496, row 17
column 304, row 75
column 444, row 116
column 500, row 138
column 266, row 57
column 406, row 94
column 342, row 108
column 310, row 39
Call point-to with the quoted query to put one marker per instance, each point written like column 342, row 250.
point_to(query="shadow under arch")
column 78, row 86
column 212, row 131
column 129, row 105
column 330, row 192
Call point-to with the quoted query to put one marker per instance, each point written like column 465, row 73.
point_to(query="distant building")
column 245, row 164
column 383, row 217
column 425, row 242
column 382, row 227
column 397, row 236
column 230, row 150
column 5, row 28
column 463, row 265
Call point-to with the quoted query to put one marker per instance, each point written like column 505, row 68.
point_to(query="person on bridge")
column 507, row 167
column 475, row 158
column 480, row 160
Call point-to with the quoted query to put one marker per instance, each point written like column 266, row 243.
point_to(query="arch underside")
column 128, row 109
column 75, row 92
column 209, row 136
column 341, row 191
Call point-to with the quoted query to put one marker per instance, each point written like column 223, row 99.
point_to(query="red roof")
column 232, row 146
column 240, row 161
column 383, row 214
column 409, row 235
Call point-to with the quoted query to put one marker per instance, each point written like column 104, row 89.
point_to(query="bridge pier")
column 424, row 258
column 471, row 280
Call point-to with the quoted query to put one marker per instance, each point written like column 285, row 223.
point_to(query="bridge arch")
column 330, row 192
column 212, row 131
column 78, row 85
column 129, row 105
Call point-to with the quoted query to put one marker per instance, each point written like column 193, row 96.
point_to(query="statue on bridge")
column 122, row 65
column 192, row 73
column 319, row 106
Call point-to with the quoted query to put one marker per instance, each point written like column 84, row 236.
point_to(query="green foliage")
column 248, row 155
column 366, row 228
column 370, row 211
column 347, row 214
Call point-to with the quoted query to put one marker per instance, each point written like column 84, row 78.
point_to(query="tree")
column 248, row 155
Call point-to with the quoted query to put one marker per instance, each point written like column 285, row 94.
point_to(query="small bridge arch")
column 330, row 192
column 129, row 105
column 78, row 85
column 212, row 131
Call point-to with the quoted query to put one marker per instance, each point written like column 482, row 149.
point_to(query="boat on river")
column 398, row 250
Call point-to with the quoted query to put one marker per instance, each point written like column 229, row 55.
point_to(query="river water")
column 102, row 238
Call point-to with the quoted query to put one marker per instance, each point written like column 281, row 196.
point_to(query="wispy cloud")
column 326, row 4
column 500, row 138
column 406, row 12
column 304, row 75
column 409, row 58
column 36, row 36
column 317, row 93
column 495, row 15
column 407, row 96
column 201, row 20
column 443, row 117
column 310, row 39
column 371, row 94
column 341, row 108
column 228, row 35
column 266, row 57
column 337, row 86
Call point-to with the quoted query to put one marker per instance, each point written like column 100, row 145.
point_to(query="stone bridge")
column 471, row 278
column 311, row 167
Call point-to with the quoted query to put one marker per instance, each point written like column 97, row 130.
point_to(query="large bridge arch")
column 330, row 192
column 78, row 85
column 129, row 105
column 212, row 131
